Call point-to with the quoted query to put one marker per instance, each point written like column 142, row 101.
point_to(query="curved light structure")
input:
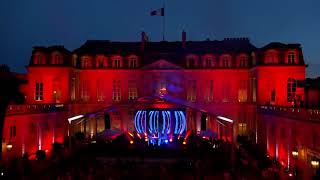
column 160, row 124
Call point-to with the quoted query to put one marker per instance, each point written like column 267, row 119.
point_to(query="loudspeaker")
column 107, row 124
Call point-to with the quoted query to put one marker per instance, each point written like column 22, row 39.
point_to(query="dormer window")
column 192, row 61
column 86, row 62
column 242, row 61
column 56, row 58
column 208, row 61
column 291, row 57
column 101, row 61
column 271, row 57
column 117, row 62
column 133, row 62
column 225, row 61
column 39, row 58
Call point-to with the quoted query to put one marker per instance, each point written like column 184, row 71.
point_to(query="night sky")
column 26, row 23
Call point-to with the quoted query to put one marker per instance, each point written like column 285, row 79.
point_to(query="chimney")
column 184, row 38
column 143, row 40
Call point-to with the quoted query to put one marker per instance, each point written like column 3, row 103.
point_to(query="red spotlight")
column 131, row 142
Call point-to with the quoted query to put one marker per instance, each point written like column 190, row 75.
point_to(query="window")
column 84, row 90
column 209, row 91
column 99, row 62
column 86, row 62
column 39, row 59
column 226, row 91
column 56, row 58
column 116, row 91
column 291, row 89
column 253, row 56
column 242, row 129
column 273, row 96
column 100, row 90
column 13, row 131
column 208, row 62
column 117, row 63
column 74, row 60
column 191, row 63
column 254, row 90
column 225, row 61
column 291, row 57
column 243, row 61
column 132, row 90
column 242, row 93
column 271, row 57
column 73, row 89
column 133, row 63
column 38, row 91
column 192, row 90
column 56, row 92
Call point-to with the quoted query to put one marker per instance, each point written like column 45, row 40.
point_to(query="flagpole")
column 163, row 21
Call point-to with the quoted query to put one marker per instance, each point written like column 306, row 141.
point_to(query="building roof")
column 228, row 45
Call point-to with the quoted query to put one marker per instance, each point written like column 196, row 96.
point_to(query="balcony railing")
column 290, row 112
column 35, row 108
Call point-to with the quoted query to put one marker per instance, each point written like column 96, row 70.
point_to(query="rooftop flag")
column 157, row 12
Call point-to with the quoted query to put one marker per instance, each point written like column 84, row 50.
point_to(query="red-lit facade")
column 228, row 78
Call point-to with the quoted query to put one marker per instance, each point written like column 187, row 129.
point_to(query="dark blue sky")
column 26, row 23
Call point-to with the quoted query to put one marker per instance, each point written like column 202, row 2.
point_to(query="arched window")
column 225, row 61
column 101, row 61
column 56, row 58
column 132, row 61
column 242, row 61
column 117, row 62
column 291, row 57
column 208, row 61
column 192, row 61
column 291, row 89
column 39, row 58
column 86, row 62
column 271, row 57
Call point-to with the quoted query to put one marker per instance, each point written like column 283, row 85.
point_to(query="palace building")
column 107, row 83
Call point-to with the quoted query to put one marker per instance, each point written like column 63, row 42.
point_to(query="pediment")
column 161, row 64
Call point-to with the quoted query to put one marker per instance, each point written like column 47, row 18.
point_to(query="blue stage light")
column 159, row 125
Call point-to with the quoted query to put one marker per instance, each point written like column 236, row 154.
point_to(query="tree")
column 9, row 93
